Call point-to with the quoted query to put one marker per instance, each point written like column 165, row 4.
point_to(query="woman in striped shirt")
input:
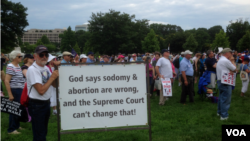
column 14, row 82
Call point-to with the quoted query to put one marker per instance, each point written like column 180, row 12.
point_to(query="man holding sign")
column 187, row 71
column 225, row 90
column 164, row 70
column 39, row 83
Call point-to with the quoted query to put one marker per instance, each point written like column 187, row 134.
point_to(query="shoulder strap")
column 30, row 89
column 32, row 85
column 242, row 67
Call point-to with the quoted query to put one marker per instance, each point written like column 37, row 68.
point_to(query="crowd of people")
column 39, row 74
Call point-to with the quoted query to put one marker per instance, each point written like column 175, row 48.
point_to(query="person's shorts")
column 213, row 80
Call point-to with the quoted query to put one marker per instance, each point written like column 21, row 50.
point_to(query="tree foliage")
column 77, row 49
column 244, row 42
column 115, row 32
column 82, row 37
column 45, row 39
column 236, row 30
column 203, row 39
column 67, row 40
column 212, row 31
column 191, row 44
column 150, row 43
column 13, row 22
column 221, row 40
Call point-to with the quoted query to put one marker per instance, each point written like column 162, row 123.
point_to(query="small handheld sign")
column 166, row 85
column 11, row 107
column 228, row 78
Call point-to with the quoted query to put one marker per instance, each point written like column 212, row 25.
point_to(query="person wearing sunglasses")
column 40, row 83
column 14, row 82
column 90, row 58
column 66, row 57
column 27, row 61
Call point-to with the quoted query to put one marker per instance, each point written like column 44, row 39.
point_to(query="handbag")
column 243, row 74
column 157, row 84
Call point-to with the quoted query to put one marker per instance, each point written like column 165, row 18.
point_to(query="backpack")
column 25, row 97
column 176, row 63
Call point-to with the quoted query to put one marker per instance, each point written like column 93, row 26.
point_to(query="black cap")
column 164, row 50
column 40, row 49
column 28, row 56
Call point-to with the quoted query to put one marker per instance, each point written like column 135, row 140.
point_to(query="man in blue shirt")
column 187, row 71
column 66, row 57
column 90, row 58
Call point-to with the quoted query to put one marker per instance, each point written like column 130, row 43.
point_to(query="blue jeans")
column 14, row 119
column 225, row 93
column 39, row 113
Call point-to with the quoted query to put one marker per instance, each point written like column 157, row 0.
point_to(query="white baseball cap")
column 83, row 56
column 51, row 57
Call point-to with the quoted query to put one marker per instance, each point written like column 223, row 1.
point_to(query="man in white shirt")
column 164, row 70
column 225, row 91
column 39, row 84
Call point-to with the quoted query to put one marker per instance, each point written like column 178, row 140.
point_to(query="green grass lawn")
column 171, row 122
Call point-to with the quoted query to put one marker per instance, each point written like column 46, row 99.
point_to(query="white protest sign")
column 166, row 85
column 101, row 96
column 228, row 78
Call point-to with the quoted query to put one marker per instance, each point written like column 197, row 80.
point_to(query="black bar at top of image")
column 236, row 132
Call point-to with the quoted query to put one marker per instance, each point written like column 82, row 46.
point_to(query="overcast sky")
column 50, row 14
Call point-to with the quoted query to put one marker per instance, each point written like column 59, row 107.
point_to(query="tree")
column 164, row 30
column 176, row 41
column 113, row 32
column 67, row 39
column 51, row 47
column 82, row 37
column 236, row 30
column 190, row 44
column 13, row 22
column 212, row 31
column 150, row 43
column 140, row 29
column 221, row 40
column 244, row 42
column 45, row 39
column 202, row 38
column 77, row 49
column 39, row 42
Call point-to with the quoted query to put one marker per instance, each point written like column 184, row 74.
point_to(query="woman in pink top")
column 150, row 69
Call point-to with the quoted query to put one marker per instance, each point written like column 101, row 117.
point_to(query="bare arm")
column 7, row 85
column 41, row 89
column 157, row 71
column 24, row 72
column 214, row 66
column 196, row 63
